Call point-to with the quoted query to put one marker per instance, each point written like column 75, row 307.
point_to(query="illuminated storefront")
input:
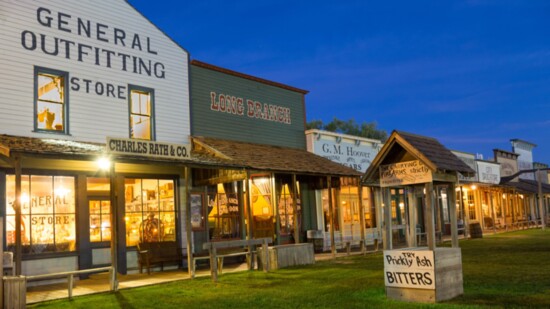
column 353, row 206
column 258, row 125
column 86, row 84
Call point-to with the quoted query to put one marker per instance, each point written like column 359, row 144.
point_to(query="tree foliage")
column 350, row 127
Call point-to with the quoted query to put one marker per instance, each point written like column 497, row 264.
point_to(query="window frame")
column 151, row 92
column 28, row 251
column 47, row 71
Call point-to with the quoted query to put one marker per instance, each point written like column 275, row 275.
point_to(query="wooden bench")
column 158, row 253
column 218, row 250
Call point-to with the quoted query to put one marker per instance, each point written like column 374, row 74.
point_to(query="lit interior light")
column 104, row 163
column 24, row 198
column 474, row 187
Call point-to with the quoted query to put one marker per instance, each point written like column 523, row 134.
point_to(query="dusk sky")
column 473, row 74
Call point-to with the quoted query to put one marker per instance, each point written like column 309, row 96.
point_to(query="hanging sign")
column 409, row 269
column 404, row 173
column 147, row 148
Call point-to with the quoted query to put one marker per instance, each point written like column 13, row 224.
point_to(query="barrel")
column 475, row 230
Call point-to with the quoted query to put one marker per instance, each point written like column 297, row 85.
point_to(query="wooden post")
column 437, row 209
column 70, row 284
column 429, row 217
column 265, row 249
column 386, row 197
column 452, row 210
column 250, row 217
column 541, row 204
column 295, row 210
column 466, row 213
column 361, row 215
column 185, row 202
column 17, row 204
column 331, row 217
column 2, row 255
column 114, row 226
column 213, row 263
column 491, row 197
column 413, row 219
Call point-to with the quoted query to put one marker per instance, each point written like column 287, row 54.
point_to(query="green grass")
column 508, row 270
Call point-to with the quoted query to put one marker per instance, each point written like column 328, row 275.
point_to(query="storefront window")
column 349, row 209
column 469, row 196
column 100, row 220
column 51, row 99
column 369, row 208
column 150, row 210
column 141, row 113
column 47, row 214
column 444, row 205
column 224, row 214
column 286, row 207
column 399, row 215
column 326, row 210
column 100, row 208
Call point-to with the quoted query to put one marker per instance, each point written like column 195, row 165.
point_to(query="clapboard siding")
column 235, row 127
column 91, row 117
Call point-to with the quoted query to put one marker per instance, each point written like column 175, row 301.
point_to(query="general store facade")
column 89, row 81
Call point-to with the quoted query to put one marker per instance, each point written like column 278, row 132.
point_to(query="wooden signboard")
column 404, row 173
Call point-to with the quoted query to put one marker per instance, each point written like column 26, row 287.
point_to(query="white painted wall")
column 92, row 117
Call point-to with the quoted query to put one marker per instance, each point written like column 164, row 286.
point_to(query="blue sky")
column 473, row 74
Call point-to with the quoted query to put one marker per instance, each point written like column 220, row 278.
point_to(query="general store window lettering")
column 51, row 100
column 47, row 213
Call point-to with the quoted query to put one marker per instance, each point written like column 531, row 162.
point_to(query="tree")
column 350, row 127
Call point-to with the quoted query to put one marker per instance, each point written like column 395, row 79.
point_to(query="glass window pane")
column 65, row 228
column 41, row 194
column 150, row 211
column 50, row 88
column 141, row 127
column 95, row 228
column 64, row 194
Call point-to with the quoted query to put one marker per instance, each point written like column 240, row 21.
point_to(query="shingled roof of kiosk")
column 403, row 146
column 272, row 158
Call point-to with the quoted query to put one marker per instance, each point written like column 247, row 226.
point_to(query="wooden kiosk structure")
column 414, row 179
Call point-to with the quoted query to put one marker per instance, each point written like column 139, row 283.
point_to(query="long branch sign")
column 404, row 173
column 147, row 148
column 409, row 269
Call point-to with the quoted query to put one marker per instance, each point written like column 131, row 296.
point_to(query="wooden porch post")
column 540, row 200
column 187, row 219
column 361, row 215
column 493, row 211
column 114, row 226
column 430, row 224
column 331, row 218
column 250, row 217
column 453, row 218
column 295, row 210
column 386, row 196
column 17, row 202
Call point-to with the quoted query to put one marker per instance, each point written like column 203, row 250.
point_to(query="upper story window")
column 141, row 113
column 50, row 100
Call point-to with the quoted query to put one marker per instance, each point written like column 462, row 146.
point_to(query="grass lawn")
column 508, row 270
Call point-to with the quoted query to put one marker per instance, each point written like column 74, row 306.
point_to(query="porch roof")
column 69, row 149
column 271, row 158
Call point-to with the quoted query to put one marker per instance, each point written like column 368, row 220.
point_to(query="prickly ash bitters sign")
column 409, row 269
